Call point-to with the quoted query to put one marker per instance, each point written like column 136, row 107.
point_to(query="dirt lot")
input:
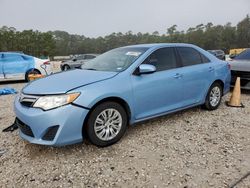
column 193, row 148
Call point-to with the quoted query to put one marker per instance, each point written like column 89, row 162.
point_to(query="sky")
column 93, row 18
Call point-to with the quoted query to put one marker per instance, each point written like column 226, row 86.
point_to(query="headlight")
column 54, row 101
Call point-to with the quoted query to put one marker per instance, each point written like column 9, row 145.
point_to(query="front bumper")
column 64, row 124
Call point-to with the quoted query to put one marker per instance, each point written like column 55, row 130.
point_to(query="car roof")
column 85, row 54
column 91, row 54
column 215, row 50
column 153, row 45
column 14, row 53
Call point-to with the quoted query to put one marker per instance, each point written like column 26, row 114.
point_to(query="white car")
column 18, row 66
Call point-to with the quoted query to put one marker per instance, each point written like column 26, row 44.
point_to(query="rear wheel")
column 107, row 123
column 214, row 96
column 33, row 71
column 66, row 67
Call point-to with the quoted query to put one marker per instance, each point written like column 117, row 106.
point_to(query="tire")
column 214, row 96
column 33, row 71
column 66, row 67
column 106, row 124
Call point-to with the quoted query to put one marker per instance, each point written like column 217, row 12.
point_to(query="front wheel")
column 107, row 123
column 214, row 96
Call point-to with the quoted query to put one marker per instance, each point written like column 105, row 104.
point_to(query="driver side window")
column 162, row 59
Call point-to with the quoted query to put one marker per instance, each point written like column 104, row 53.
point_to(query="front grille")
column 27, row 104
column 27, row 100
column 51, row 133
column 24, row 128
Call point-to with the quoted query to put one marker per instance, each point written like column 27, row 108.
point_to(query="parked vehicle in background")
column 240, row 67
column 234, row 52
column 120, row 87
column 220, row 54
column 77, row 61
column 18, row 66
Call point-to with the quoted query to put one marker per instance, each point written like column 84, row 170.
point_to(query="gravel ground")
column 192, row 148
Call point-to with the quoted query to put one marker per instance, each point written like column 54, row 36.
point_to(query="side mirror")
column 74, row 59
column 146, row 69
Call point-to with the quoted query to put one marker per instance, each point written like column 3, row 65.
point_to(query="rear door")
column 14, row 66
column 197, row 74
column 1, row 67
column 160, row 91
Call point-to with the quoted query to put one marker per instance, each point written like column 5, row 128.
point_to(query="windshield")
column 244, row 55
column 115, row 60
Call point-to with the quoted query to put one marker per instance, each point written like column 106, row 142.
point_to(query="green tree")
column 243, row 32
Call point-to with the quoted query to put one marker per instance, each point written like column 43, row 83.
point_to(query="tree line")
column 52, row 43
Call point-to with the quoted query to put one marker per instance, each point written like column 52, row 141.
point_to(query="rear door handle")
column 211, row 69
column 177, row 75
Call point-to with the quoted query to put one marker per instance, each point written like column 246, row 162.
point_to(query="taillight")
column 46, row 63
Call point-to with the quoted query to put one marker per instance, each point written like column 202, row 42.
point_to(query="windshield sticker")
column 119, row 68
column 133, row 53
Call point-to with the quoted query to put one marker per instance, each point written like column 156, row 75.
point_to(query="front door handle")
column 177, row 75
column 211, row 69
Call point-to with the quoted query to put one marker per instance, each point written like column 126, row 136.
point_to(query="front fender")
column 119, row 87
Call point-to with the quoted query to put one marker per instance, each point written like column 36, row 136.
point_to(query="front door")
column 14, row 66
column 160, row 91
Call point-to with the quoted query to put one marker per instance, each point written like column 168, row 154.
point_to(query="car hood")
column 240, row 65
column 65, row 81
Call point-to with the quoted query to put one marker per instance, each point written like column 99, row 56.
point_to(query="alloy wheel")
column 108, row 124
column 215, row 95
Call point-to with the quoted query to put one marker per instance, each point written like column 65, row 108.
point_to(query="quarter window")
column 189, row 56
column 162, row 59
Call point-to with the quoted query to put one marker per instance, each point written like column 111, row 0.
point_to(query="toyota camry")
column 119, row 88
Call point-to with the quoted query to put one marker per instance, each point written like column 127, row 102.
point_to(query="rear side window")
column 162, row 59
column 189, row 56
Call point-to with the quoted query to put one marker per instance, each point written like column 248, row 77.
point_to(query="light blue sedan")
column 119, row 88
column 18, row 66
